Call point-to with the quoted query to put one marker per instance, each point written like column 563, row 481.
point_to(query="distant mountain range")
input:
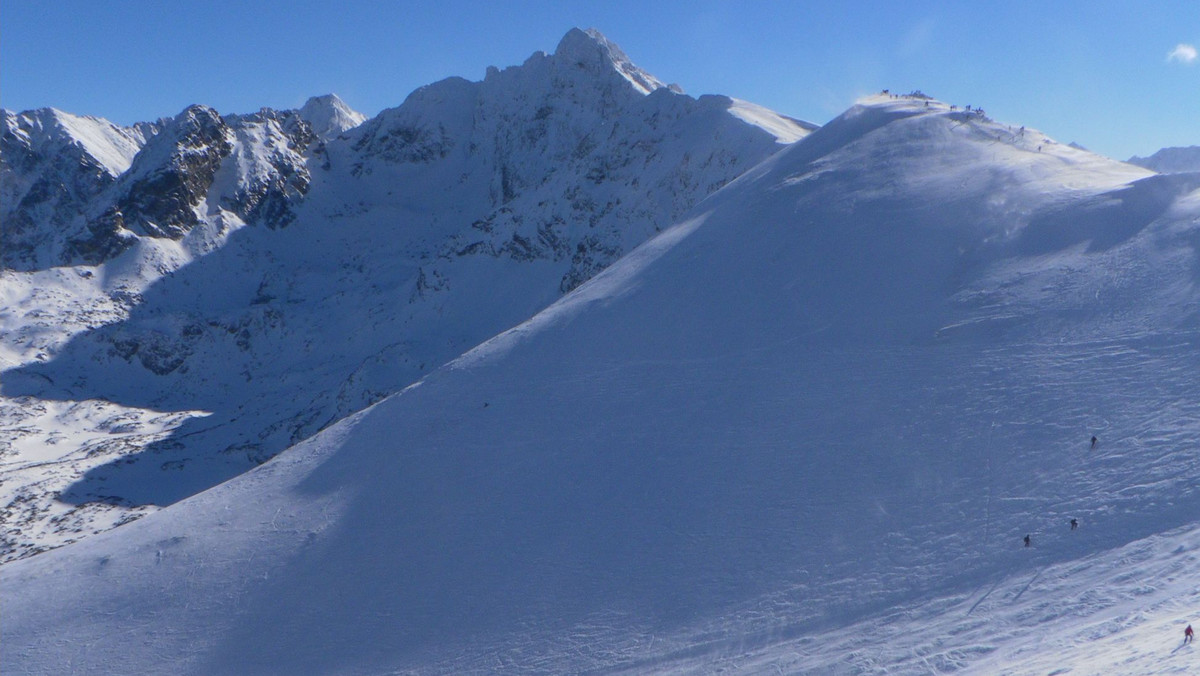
column 1171, row 160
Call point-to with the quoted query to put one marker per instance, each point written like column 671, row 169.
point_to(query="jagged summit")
column 590, row 49
column 587, row 51
column 329, row 115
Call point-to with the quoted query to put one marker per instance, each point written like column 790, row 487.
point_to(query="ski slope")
column 802, row 431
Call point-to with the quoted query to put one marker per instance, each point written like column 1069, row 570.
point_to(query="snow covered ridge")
column 248, row 280
column 786, row 129
column 805, row 429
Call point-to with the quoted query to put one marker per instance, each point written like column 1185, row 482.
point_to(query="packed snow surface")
column 803, row 431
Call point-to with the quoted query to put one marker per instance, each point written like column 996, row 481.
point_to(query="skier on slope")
column 1094, row 440
column 1074, row 524
column 1188, row 634
column 1026, row 539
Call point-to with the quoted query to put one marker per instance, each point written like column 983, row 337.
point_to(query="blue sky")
column 1097, row 72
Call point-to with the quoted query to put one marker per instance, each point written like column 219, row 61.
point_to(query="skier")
column 1026, row 539
column 1094, row 440
column 1074, row 524
column 1188, row 635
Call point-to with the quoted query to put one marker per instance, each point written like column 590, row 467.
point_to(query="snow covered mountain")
column 1171, row 160
column 83, row 191
column 329, row 116
column 248, row 280
column 53, row 166
column 804, row 430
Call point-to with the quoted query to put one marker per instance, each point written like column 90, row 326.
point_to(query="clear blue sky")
column 1095, row 72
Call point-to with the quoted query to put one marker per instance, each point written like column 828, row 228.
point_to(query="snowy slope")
column 324, row 272
column 828, row 403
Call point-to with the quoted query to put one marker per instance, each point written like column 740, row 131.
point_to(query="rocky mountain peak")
column 53, row 165
column 589, row 49
column 168, row 179
column 197, row 117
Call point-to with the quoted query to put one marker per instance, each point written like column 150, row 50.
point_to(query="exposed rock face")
column 160, row 196
column 275, row 176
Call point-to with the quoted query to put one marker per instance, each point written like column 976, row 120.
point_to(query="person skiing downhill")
column 1074, row 524
column 1188, row 634
column 1094, row 440
column 1027, row 540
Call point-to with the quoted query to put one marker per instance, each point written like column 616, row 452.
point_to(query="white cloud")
column 1183, row 54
